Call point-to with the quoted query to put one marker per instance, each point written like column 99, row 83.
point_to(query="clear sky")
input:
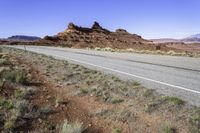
column 149, row 18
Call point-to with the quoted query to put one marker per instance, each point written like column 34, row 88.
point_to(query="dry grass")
column 155, row 52
column 75, row 127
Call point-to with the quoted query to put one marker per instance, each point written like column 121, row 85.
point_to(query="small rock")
column 40, row 120
column 57, row 104
column 2, row 69
column 69, row 83
column 48, row 97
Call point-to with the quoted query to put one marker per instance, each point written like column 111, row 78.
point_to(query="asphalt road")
column 169, row 75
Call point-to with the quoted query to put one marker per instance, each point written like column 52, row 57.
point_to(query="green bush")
column 116, row 100
column 116, row 130
column 6, row 103
column 19, row 94
column 174, row 100
column 10, row 125
column 21, row 108
column 168, row 129
column 84, row 91
column 15, row 76
column 148, row 93
column 46, row 110
column 1, row 84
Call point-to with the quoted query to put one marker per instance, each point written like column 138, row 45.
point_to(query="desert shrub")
column 23, row 93
column 1, row 84
column 168, row 129
column 195, row 121
column 151, row 106
column 75, row 127
column 4, row 62
column 46, row 110
column 49, row 125
column 15, row 76
column 84, row 91
column 105, row 96
column 148, row 93
column 9, row 76
column 116, row 130
column 19, row 94
column 116, row 100
column 10, row 125
column 6, row 103
column 174, row 100
column 115, row 79
column 21, row 108
column 135, row 83
column 21, row 77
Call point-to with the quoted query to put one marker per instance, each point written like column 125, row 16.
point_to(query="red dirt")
column 75, row 107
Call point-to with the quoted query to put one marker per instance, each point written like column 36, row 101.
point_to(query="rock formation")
column 97, row 36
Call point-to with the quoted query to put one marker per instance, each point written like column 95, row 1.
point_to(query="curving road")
column 169, row 75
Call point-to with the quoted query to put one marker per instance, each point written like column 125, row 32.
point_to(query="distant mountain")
column 195, row 36
column 190, row 39
column 23, row 38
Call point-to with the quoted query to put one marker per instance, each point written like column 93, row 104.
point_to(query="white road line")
column 132, row 75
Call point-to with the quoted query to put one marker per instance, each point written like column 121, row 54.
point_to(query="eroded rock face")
column 97, row 36
column 122, row 31
column 96, row 26
column 71, row 26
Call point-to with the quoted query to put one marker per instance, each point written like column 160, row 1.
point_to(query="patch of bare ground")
column 72, row 97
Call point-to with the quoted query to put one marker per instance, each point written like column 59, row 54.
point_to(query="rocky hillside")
column 97, row 36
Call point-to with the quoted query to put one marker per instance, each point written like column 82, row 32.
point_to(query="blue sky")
column 149, row 18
